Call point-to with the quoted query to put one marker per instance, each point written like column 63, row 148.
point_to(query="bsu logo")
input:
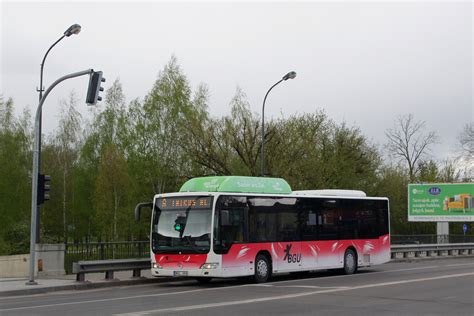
column 291, row 258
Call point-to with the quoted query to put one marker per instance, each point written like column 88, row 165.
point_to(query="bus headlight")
column 156, row 266
column 210, row 266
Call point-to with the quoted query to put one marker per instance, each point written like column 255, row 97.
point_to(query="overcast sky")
column 362, row 63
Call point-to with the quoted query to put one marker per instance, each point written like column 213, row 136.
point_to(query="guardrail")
column 430, row 239
column 397, row 252
column 109, row 267
column 75, row 252
column 431, row 250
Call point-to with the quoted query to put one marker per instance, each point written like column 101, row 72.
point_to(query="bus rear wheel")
column 262, row 269
column 350, row 262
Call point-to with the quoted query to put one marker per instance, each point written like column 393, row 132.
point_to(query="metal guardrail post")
column 102, row 252
column 136, row 273
column 109, row 275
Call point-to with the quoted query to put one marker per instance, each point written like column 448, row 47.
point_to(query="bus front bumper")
column 186, row 272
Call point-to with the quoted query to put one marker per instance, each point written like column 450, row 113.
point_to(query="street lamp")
column 73, row 29
column 290, row 75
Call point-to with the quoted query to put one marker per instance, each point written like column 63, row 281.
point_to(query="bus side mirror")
column 138, row 209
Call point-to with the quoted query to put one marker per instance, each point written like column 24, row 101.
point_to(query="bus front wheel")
column 262, row 269
column 350, row 262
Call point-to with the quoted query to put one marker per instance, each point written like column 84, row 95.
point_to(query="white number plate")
column 180, row 273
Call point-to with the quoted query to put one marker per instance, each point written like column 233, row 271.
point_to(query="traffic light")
column 43, row 188
column 180, row 223
column 94, row 89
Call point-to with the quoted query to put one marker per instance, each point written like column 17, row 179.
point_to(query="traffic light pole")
column 35, row 171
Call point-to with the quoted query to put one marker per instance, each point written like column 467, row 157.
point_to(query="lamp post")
column 35, row 230
column 93, row 90
column 73, row 29
column 290, row 75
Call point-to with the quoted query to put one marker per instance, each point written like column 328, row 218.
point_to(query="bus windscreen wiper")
column 190, row 242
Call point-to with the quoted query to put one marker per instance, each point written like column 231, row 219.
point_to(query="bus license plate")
column 180, row 273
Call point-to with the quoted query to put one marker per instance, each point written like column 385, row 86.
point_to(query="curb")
column 86, row 285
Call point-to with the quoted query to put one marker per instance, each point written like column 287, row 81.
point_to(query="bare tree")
column 466, row 140
column 466, row 151
column 408, row 142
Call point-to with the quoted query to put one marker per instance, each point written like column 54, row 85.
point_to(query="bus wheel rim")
column 262, row 268
column 350, row 261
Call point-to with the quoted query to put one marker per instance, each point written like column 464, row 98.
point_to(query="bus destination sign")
column 183, row 203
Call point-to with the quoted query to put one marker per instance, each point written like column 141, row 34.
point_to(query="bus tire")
column 203, row 280
column 350, row 262
column 262, row 269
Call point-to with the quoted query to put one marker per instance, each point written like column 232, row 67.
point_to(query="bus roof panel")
column 332, row 192
column 237, row 184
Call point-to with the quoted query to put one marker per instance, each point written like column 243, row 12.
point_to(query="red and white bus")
column 219, row 227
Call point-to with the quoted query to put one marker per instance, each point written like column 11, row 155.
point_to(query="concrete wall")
column 49, row 262
column 50, row 259
column 14, row 266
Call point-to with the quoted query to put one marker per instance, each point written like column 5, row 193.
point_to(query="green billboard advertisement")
column 441, row 202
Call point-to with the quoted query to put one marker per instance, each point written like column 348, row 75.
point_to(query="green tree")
column 111, row 193
column 66, row 143
column 228, row 145
column 428, row 171
column 158, row 131
column 295, row 147
column 15, row 184
column 449, row 172
column 108, row 127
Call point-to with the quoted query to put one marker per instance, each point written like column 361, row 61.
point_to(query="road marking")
column 120, row 298
column 289, row 296
column 459, row 264
column 72, row 291
column 312, row 287
column 300, row 286
column 351, row 275
column 410, row 269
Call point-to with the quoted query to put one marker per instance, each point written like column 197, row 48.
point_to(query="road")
column 428, row 287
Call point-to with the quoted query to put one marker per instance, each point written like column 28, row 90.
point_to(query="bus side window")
column 381, row 212
column 230, row 222
column 309, row 224
column 328, row 226
column 288, row 226
column 266, row 226
column 230, row 229
column 262, row 220
column 348, row 221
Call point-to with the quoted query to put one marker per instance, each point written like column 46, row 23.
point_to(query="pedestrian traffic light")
column 95, row 79
column 43, row 188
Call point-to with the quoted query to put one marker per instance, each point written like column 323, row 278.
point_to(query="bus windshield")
column 182, row 225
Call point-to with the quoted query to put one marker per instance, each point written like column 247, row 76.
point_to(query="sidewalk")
column 17, row 286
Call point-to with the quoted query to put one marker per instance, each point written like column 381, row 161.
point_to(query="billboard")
column 441, row 202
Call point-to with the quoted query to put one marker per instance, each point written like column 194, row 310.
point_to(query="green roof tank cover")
column 237, row 184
